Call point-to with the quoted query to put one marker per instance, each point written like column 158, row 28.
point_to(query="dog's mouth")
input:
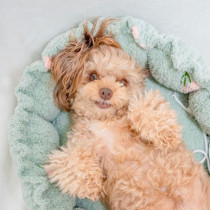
column 102, row 104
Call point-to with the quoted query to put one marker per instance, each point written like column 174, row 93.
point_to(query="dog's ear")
column 67, row 70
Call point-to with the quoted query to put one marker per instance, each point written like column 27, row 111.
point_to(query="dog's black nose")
column 105, row 93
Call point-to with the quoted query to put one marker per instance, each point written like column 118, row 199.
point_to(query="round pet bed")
column 38, row 126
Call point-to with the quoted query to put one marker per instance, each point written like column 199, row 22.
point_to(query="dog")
column 125, row 146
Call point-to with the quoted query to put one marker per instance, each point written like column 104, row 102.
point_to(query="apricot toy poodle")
column 125, row 146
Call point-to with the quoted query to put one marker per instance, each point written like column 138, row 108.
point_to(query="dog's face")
column 94, row 76
column 110, row 78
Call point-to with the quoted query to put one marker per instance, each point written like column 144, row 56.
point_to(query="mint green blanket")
column 38, row 126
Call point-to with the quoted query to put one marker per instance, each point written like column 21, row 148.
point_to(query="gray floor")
column 27, row 25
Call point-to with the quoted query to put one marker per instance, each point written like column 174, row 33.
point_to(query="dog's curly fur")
column 126, row 151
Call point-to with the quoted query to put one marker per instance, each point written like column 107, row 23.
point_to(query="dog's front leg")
column 154, row 122
column 76, row 171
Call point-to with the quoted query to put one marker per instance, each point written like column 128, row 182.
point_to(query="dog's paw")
column 151, row 117
column 57, row 162
column 144, row 107
column 78, row 177
column 90, row 185
column 145, row 102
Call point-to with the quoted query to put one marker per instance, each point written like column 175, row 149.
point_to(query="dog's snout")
column 105, row 93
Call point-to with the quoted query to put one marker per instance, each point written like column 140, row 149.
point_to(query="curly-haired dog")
column 125, row 146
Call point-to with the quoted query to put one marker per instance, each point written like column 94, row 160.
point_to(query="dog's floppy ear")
column 67, row 66
column 67, row 70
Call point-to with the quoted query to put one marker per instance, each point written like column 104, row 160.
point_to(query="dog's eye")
column 93, row 76
column 124, row 82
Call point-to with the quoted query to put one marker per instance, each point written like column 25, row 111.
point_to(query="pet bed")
column 38, row 126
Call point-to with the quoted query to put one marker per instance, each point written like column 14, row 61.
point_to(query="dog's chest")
column 103, row 133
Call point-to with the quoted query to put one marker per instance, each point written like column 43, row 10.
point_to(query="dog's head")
column 95, row 77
